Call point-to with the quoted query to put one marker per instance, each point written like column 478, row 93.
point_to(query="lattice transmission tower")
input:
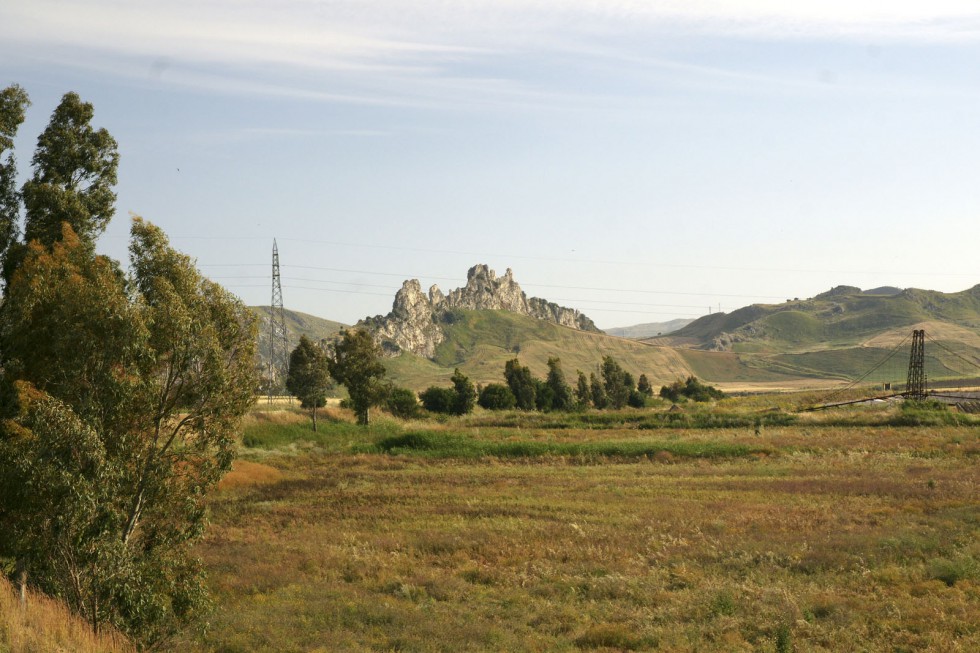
column 915, row 386
column 278, row 345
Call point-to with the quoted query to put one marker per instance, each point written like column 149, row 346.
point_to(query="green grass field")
column 836, row 532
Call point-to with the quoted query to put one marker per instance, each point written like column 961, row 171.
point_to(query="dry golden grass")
column 244, row 473
column 46, row 626
column 841, row 539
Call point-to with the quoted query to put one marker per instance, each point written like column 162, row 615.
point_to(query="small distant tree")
column 355, row 362
column 402, row 403
column 464, row 394
column 308, row 378
column 616, row 382
column 438, row 400
column 497, row 396
column 521, row 383
column 583, row 396
column 561, row 392
column 544, row 396
column 644, row 387
column 598, row 392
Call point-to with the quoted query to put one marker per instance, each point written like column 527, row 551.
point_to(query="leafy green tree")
column 438, row 400
column 497, row 396
column 402, row 403
column 690, row 388
column 598, row 392
column 13, row 105
column 521, row 383
column 464, row 394
column 616, row 382
column 561, row 392
column 308, row 377
column 355, row 362
column 644, row 387
column 74, row 174
column 544, row 396
column 583, row 395
column 122, row 397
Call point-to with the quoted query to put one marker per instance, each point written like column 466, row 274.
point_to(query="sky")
column 638, row 160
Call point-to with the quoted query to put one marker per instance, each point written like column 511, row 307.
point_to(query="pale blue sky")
column 639, row 161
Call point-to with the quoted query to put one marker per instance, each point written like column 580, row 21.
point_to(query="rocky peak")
column 414, row 323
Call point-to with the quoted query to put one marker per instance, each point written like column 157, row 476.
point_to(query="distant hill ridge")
column 417, row 320
column 844, row 313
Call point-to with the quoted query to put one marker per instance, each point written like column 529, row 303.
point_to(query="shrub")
column 497, row 396
column 438, row 400
column 402, row 403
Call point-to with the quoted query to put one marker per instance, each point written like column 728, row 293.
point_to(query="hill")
column 845, row 332
column 480, row 342
column 649, row 329
column 297, row 324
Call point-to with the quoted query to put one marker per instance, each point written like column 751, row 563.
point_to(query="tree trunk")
column 20, row 578
column 314, row 417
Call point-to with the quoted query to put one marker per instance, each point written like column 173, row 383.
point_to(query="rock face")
column 414, row 321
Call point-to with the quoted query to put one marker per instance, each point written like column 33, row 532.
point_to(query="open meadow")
column 758, row 531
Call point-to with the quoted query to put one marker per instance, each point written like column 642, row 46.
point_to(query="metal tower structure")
column 915, row 386
column 278, row 346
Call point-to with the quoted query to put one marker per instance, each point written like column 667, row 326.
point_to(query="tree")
column 598, row 392
column 74, row 174
column 644, row 387
column 464, row 394
column 438, row 400
column 583, row 396
column 497, row 396
column 308, row 377
column 355, row 362
column 561, row 391
column 122, row 398
column 521, row 383
column 13, row 105
column 616, row 382
column 402, row 403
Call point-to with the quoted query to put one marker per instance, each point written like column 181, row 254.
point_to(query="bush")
column 438, row 400
column 497, row 396
column 402, row 403
column 692, row 389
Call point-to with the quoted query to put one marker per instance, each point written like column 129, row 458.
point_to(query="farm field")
column 840, row 532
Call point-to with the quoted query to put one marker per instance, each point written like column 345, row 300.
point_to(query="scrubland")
column 836, row 532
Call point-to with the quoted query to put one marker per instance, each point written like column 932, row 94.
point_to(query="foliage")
column 308, row 377
column 464, row 394
column 13, row 104
column 355, row 362
column 521, row 383
column 402, row 403
column 598, row 392
column 692, row 389
column 438, row 400
column 74, row 172
column 643, row 386
column 121, row 398
column 616, row 382
column 561, row 391
column 583, row 395
column 497, row 396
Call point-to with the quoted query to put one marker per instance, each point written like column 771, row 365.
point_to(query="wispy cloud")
column 430, row 53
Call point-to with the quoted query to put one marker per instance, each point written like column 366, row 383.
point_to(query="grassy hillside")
column 649, row 329
column 297, row 324
column 480, row 342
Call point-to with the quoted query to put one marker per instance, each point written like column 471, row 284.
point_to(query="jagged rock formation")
column 415, row 318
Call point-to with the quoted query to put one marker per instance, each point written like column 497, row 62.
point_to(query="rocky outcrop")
column 414, row 323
